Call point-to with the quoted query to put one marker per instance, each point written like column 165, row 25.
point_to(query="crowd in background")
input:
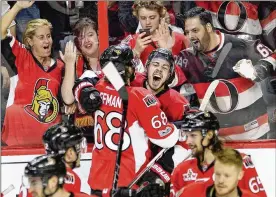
column 170, row 54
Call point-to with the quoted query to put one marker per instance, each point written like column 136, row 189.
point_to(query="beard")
column 201, row 45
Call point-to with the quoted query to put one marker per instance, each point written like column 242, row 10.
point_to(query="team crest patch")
column 190, row 175
column 150, row 100
column 44, row 107
column 247, row 162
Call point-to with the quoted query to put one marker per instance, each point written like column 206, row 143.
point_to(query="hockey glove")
column 156, row 175
column 151, row 190
column 87, row 97
column 120, row 192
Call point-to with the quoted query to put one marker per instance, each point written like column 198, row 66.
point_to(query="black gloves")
column 87, row 97
column 151, row 190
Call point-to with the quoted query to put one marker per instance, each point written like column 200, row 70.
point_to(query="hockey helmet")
column 58, row 138
column 199, row 121
column 120, row 55
column 46, row 166
column 164, row 54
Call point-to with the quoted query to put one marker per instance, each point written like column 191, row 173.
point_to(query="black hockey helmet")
column 199, row 121
column 164, row 54
column 120, row 55
column 46, row 166
column 58, row 138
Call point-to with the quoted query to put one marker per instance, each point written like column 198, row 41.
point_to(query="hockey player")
column 202, row 138
column 159, row 73
column 145, row 121
column 68, row 142
column 46, row 175
column 227, row 173
column 236, row 96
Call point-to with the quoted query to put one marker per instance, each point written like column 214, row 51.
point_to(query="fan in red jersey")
column 145, row 122
column 228, row 171
column 33, row 104
column 202, row 138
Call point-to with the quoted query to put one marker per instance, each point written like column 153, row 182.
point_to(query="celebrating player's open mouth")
column 157, row 79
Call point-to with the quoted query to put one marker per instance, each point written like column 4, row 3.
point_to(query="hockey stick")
column 8, row 190
column 116, row 80
column 150, row 164
column 209, row 92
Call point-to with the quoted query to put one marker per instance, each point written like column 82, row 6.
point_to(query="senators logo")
column 44, row 107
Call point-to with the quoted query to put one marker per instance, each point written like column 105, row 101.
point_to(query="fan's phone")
column 145, row 30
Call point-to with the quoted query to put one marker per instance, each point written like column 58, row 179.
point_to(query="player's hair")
column 229, row 156
column 31, row 28
column 205, row 16
column 81, row 25
column 150, row 5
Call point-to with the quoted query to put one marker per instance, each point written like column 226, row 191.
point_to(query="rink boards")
column 14, row 160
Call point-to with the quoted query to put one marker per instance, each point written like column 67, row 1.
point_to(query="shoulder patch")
column 150, row 100
column 247, row 162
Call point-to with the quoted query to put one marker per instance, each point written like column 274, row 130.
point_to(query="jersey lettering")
column 107, row 137
column 256, row 185
column 158, row 121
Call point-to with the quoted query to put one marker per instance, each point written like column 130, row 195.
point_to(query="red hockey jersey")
column 33, row 104
column 202, row 190
column 172, row 103
column 189, row 172
column 145, row 121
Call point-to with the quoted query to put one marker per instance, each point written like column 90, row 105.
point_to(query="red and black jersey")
column 33, row 104
column 172, row 103
column 145, row 121
column 235, row 96
column 251, row 19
